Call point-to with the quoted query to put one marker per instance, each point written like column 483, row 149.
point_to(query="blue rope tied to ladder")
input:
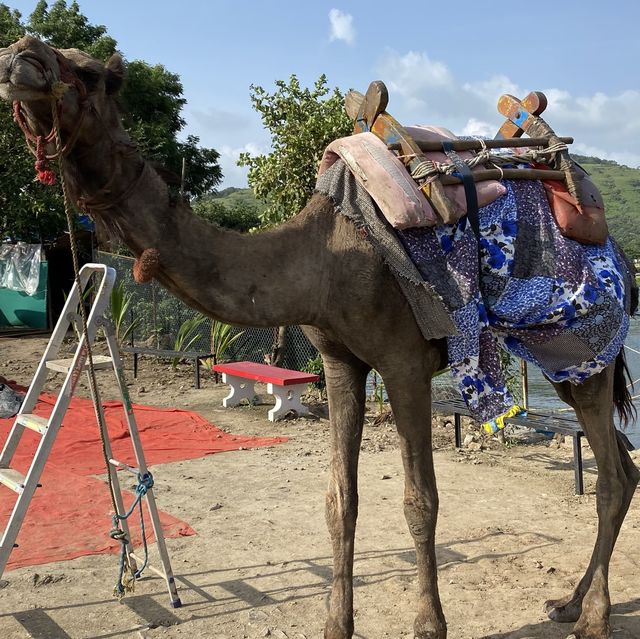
column 124, row 584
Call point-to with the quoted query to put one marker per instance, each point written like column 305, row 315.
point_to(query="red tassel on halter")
column 46, row 177
column 43, row 174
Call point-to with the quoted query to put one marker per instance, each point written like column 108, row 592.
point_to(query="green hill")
column 620, row 188
column 619, row 185
column 233, row 195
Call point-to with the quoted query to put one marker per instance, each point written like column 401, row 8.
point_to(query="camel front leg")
column 410, row 397
column 589, row 605
column 346, row 392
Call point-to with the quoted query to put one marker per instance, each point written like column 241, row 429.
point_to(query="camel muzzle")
column 28, row 70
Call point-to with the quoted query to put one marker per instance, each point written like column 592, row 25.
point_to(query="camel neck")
column 261, row 279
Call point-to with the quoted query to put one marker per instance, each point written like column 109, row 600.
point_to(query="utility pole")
column 182, row 177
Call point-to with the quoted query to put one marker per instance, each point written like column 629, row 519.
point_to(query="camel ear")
column 115, row 74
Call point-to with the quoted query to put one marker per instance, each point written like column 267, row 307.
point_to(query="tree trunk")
column 276, row 357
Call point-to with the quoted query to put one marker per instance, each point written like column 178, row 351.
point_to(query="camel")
column 317, row 271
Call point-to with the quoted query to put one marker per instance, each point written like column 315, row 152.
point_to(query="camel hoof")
column 563, row 610
column 428, row 630
column 335, row 630
column 601, row 633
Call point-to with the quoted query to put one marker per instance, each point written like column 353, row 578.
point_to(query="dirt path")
column 511, row 534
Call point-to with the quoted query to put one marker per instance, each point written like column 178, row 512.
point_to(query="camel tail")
column 622, row 382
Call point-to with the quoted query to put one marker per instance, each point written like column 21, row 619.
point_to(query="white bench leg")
column 241, row 388
column 287, row 398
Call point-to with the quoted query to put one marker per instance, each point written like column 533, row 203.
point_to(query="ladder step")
column 140, row 560
column 34, row 422
column 129, row 469
column 12, row 479
column 64, row 365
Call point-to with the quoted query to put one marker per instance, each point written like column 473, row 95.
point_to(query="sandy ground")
column 511, row 534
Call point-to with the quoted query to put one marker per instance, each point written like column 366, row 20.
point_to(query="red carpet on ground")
column 70, row 516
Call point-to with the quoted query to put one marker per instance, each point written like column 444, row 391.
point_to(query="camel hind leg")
column 589, row 604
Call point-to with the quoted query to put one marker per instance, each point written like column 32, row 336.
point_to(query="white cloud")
column 341, row 26
column 478, row 128
column 235, row 175
column 414, row 72
column 496, row 85
column 424, row 90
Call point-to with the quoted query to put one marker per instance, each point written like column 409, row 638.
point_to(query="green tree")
column 152, row 103
column 64, row 27
column 11, row 28
column 29, row 211
column 239, row 216
column 302, row 122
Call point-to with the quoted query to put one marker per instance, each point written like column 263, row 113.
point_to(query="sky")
column 444, row 63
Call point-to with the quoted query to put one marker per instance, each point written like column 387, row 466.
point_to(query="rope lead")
column 127, row 576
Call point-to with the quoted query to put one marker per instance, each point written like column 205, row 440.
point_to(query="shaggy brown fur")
column 146, row 266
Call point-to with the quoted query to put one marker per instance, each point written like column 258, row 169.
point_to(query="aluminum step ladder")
column 25, row 485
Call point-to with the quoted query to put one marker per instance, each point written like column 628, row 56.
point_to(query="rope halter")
column 37, row 143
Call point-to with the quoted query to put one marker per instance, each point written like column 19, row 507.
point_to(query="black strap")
column 464, row 173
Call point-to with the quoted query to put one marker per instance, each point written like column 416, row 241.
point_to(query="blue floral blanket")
column 542, row 297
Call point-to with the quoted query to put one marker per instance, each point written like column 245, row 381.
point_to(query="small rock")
column 142, row 389
column 474, row 446
column 280, row 634
column 257, row 615
column 538, row 565
column 469, row 439
column 385, row 477
column 551, row 570
column 216, row 507
column 265, row 632
column 3, row 583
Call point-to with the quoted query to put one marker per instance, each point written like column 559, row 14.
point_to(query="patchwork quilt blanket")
column 529, row 290
column 524, row 288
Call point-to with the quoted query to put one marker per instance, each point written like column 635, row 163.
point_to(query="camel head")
column 35, row 77
column 70, row 88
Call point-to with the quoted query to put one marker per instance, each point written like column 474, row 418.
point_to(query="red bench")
column 285, row 385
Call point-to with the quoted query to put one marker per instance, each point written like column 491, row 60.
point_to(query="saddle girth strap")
column 465, row 174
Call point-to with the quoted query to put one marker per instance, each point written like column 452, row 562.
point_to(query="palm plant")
column 187, row 335
column 119, row 302
column 222, row 337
